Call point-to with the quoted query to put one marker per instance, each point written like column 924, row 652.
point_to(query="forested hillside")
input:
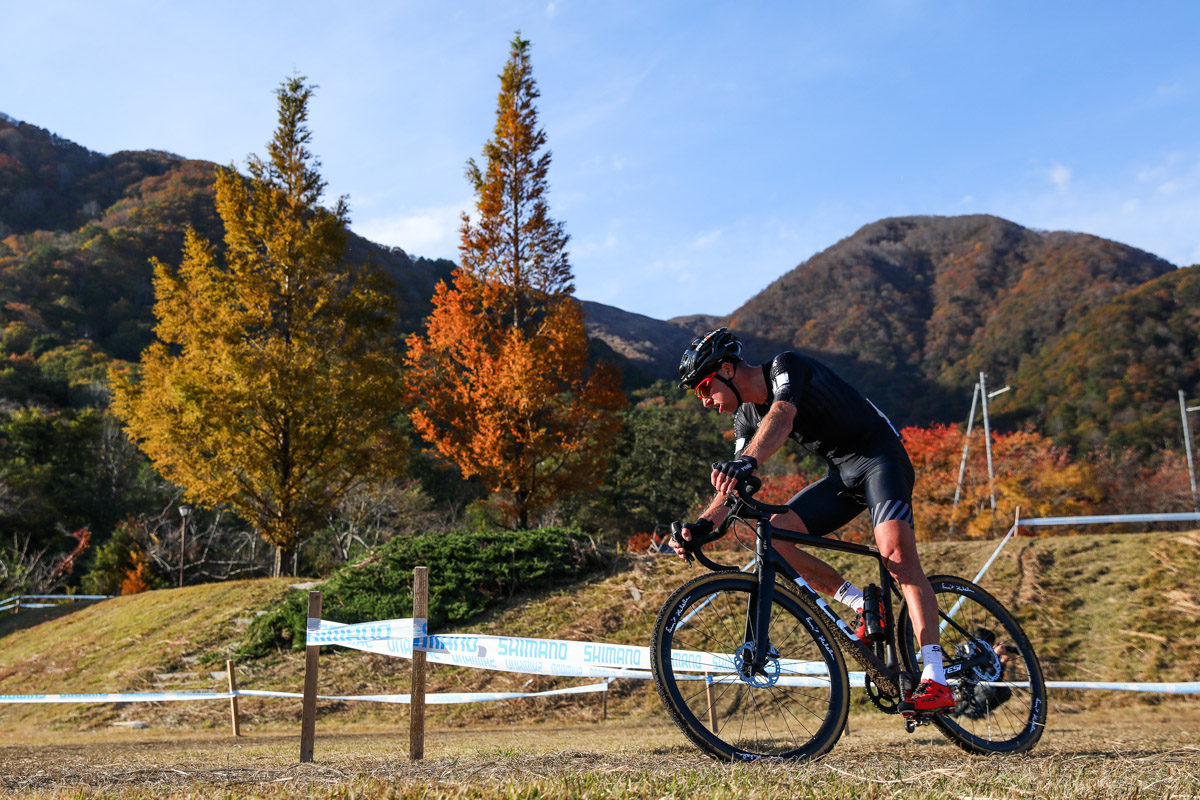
column 1096, row 338
column 78, row 230
column 913, row 308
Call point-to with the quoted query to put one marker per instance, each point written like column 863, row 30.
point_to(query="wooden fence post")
column 308, row 719
column 712, row 702
column 233, row 707
column 416, row 729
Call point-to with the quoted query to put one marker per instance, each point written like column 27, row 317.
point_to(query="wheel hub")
column 990, row 671
column 763, row 678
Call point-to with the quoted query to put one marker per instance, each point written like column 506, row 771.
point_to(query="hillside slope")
column 1098, row 607
column 78, row 230
column 911, row 308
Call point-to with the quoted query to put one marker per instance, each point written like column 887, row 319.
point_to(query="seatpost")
column 766, row 593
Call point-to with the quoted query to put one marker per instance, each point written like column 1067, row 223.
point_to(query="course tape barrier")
column 443, row 698
column 115, row 697
column 557, row 657
column 321, row 631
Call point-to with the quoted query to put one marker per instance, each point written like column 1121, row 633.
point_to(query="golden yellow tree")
column 501, row 377
column 271, row 388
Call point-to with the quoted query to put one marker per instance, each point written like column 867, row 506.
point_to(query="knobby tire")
column 982, row 723
column 779, row 721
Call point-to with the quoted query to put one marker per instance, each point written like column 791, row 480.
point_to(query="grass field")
column 1130, row 753
column 1098, row 607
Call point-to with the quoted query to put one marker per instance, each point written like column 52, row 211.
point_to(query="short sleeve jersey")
column 833, row 420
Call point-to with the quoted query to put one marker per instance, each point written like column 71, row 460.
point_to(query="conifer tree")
column 501, row 376
column 271, row 388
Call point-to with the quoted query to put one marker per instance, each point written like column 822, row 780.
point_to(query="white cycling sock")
column 850, row 595
column 931, row 656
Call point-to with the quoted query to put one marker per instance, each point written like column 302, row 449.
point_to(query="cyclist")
column 796, row 395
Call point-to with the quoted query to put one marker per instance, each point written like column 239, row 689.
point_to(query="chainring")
column 886, row 703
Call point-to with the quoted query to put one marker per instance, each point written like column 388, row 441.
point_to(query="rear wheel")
column 1002, row 695
column 794, row 707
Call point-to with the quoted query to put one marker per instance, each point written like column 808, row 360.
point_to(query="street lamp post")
column 183, row 513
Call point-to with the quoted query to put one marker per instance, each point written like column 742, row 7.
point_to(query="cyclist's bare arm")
column 772, row 434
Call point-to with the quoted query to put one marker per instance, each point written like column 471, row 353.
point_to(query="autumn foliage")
column 501, row 375
column 138, row 577
column 271, row 388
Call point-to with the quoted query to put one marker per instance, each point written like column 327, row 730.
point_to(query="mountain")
column 78, row 230
column 912, row 308
column 1112, row 378
column 909, row 309
column 649, row 345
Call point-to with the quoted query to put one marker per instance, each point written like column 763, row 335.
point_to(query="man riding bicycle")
column 797, row 396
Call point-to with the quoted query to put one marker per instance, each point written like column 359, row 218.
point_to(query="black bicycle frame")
column 769, row 561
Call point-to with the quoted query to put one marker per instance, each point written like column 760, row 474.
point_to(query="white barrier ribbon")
column 442, row 698
column 322, row 631
column 115, row 697
column 558, row 657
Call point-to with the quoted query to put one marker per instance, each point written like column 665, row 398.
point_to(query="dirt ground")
column 1130, row 752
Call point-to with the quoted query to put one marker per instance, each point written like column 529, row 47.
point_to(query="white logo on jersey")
column 739, row 445
column 781, row 382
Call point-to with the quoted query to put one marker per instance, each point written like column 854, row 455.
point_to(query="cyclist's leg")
column 888, row 484
column 820, row 508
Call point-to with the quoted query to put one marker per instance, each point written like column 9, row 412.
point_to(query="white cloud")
column 1153, row 207
column 430, row 232
column 705, row 239
column 591, row 247
column 1060, row 176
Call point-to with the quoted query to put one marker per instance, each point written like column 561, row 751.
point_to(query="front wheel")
column 794, row 706
column 1001, row 696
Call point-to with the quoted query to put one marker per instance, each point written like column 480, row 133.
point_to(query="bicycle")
column 784, row 693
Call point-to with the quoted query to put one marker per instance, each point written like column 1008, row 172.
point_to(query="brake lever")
column 676, row 530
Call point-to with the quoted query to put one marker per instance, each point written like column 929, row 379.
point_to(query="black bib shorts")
column 880, row 481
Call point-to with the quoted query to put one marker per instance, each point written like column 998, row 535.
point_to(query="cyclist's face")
column 715, row 393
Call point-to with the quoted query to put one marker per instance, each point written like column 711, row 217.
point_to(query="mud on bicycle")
column 753, row 664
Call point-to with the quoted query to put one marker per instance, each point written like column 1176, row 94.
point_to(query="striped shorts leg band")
column 889, row 510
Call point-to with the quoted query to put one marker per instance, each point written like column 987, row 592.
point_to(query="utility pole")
column 987, row 433
column 1187, row 445
column 183, row 513
column 962, row 466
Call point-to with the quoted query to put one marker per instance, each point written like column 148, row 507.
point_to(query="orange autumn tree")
column 501, row 376
column 1031, row 474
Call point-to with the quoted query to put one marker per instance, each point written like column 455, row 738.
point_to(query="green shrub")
column 469, row 571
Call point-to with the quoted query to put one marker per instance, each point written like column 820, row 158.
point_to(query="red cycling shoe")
column 929, row 698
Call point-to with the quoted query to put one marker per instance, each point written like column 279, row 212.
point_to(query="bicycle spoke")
column 727, row 712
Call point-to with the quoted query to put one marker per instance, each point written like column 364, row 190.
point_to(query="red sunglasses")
column 704, row 387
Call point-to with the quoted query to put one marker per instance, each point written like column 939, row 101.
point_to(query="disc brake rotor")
column 743, row 661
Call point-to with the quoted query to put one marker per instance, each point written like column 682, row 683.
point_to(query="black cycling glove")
column 701, row 527
column 739, row 468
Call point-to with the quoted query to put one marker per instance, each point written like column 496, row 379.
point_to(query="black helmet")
column 705, row 356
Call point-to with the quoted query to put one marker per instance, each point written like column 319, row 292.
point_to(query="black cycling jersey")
column 868, row 465
column 832, row 419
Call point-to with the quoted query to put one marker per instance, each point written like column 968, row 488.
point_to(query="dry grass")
column 1101, row 607
column 1146, row 752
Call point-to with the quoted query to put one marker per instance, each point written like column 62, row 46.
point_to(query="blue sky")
column 701, row 149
